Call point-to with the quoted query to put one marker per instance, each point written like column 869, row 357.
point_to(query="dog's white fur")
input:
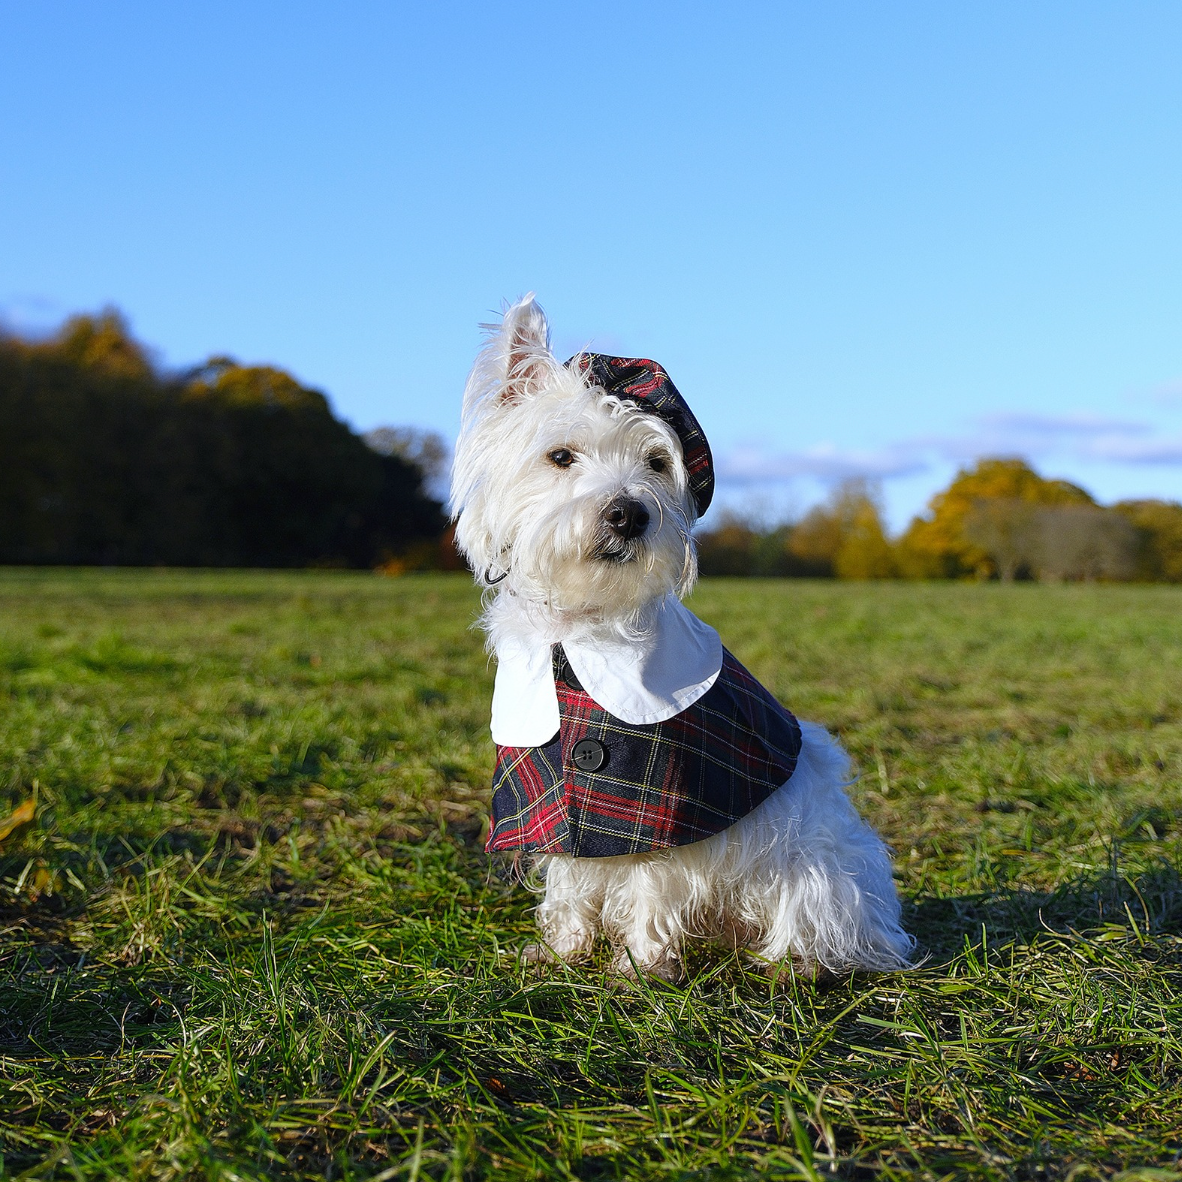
column 801, row 878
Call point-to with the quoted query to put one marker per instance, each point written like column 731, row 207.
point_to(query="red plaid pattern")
column 648, row 385
column 666, row 784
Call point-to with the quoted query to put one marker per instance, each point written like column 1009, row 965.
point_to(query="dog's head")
column 570, row 489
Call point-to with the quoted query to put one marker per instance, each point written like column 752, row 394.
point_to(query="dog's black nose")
column 626, row 518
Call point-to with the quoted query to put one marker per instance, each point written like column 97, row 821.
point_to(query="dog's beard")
column 573, row 562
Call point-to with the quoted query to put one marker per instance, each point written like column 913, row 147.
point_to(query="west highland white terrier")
column 660, row 792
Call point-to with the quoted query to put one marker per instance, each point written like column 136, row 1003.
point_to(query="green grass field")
column 251, row 932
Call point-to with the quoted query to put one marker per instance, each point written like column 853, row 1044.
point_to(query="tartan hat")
column 648, row 385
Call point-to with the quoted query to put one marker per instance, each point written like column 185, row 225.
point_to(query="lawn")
column 251, row 932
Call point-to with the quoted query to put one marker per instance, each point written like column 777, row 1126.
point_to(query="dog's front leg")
column 642, row 915
column 568, row 916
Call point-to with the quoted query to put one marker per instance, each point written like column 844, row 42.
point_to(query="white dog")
column 659, row 790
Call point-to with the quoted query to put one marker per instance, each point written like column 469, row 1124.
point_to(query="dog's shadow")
column 1092, row 906
column 1147, row 904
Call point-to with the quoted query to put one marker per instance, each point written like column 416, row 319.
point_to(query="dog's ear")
column 526, row 340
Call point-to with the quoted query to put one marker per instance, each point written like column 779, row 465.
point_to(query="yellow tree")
column 816, row 538
column 865, row 552
column 102, row 343
column 936, row 546
column 846, row 535
column 1159, row 528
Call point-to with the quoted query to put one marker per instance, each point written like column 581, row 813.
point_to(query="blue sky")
column 871, row 238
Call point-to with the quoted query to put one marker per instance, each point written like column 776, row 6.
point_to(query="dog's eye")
column 657, row 463
column 563, row 457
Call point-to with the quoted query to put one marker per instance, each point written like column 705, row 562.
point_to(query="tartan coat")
column 663, row 784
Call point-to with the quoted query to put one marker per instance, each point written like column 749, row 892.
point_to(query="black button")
column 563, row 672
column 589, row 755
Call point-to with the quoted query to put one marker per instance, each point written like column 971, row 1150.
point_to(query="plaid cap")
column 663, row 784
column 648, row 385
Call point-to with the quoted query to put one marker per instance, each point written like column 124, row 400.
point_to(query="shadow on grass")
column 1150, row 902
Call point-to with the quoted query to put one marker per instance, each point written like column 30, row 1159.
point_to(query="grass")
column 250, row 932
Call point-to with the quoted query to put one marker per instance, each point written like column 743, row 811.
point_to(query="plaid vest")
column 665, row 784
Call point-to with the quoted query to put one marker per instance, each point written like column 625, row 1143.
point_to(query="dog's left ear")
column 526, row 341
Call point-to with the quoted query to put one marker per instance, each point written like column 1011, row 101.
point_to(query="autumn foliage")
column 937, row 545
column 997, row 519
column 1159, row 538
column 844, row 537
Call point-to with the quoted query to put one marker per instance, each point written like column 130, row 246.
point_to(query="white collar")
column 641, row 680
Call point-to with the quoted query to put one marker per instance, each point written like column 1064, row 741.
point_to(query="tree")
column 1007, row 530
column 865, row 552
column 1159, row 538
column 936, row 546
column 816, row 539
column 735, row 547
column 76, row 413
column 845, row 535
column 102, row 343
column 728, row 549
column 426, row 450
column 103, row 459
column 1083, row 543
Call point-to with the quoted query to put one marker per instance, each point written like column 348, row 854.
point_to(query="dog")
column 660, row 793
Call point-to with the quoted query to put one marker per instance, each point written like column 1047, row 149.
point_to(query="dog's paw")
column 795, row 968
column 667, row 967
column 671, row 971
column 539, row 954
column 544, row 954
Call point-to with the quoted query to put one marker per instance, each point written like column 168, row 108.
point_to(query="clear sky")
column 864, row 238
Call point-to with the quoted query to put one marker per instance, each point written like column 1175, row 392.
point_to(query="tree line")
column 104, row 458
column 998, row 519
column 107, row 459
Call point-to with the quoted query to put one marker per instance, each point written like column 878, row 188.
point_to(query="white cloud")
column 1073, row 436
column 1135, row 451
column 1078, row 435
column 1082, row 423
column 751, row 464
